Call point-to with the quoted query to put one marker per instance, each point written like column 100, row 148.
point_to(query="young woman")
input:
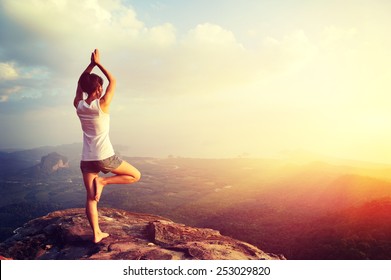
column 98, row 153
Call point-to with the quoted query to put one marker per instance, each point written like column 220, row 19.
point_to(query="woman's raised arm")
column 106, row 99
column 79, row 91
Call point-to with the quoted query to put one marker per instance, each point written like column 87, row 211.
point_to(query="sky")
column 204, row 78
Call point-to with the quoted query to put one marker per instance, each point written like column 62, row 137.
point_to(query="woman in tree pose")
column 98, row 153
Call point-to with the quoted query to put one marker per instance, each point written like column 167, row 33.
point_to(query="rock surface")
column 66, row 235
column 51, row 164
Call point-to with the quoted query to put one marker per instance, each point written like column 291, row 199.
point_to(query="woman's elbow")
column 112, row 80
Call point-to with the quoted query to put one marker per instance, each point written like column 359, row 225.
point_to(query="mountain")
column 360, row 232
column 49, row 165
column 52, row 163
column 281, row 206
column 12, row 163
column 66, row 235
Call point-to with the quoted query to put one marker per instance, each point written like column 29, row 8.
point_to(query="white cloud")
column 289, row 86
column 162, row 36
column 8, row 71
column 22, row 81
column 210, row 35
column 155, row 60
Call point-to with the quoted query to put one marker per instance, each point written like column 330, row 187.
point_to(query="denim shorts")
column 106, row 165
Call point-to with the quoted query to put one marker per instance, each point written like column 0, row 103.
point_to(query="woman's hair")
column 89, row 82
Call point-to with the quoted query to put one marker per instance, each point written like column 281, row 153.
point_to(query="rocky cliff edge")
column 66, row 235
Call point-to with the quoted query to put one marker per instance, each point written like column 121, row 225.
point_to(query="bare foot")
column 98, row 188
column 99, row 236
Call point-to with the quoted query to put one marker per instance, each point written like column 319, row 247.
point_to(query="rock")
column 51, row 164
column 66, row 235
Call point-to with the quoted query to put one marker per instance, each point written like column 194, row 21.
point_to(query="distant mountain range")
column 302, row 208
column 12, row 162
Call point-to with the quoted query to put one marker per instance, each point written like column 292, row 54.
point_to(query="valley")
column 303, row 210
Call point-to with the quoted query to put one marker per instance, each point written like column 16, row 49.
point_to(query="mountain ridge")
column 66, row 235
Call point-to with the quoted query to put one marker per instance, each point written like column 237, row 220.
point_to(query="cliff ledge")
column 66, row 235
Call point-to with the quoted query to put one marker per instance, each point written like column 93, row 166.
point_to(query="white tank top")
column 95, row 125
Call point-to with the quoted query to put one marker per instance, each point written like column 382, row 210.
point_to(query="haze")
column 204, row 78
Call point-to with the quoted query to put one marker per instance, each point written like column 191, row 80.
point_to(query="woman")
column 98, row 153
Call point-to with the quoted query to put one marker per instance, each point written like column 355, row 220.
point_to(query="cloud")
column 257, row 84
column 211, row 36
column 22, row 82
column 208, row 59
column 153, row 61
column 48, row 44
column 6, row 92
column 8, row 71
column 8, row 75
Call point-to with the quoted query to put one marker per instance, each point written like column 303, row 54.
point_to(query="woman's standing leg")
column 92, row 207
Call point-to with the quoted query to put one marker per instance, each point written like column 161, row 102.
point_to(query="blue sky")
column 203, row 78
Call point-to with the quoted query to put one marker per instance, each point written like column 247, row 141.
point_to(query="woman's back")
column 96, row 127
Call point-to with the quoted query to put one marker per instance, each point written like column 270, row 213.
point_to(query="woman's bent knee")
column 137, row 176
column 134, row 177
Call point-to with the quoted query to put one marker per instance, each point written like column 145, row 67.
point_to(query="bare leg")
column 124, row 174
column 92, row 207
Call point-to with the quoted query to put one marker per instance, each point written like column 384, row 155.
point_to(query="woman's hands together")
column 95, row 57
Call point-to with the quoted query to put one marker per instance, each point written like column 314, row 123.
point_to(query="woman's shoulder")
column 78, row 103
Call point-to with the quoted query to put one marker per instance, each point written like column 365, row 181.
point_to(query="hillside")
column 361, row 232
